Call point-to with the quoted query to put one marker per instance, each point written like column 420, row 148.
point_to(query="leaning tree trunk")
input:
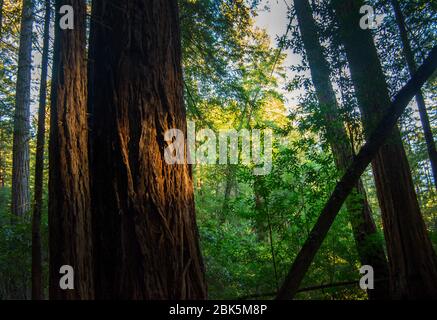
column 37, row 288
column 375, row 141
column 412, row 260
column 146, row 238
column 69, row 193
column 411, row 63
column 370, row 251
column 20, row 149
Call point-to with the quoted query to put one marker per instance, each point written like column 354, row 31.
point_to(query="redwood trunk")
column 412, row 260
column 370, row 251
column 146, row 239
column 20, row 149
column 69, row 195
column 411, row 63
column 37, row 288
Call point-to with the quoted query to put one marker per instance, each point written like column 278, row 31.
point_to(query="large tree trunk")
column 411, row 63
column 370, row 251
column 375, row 141
column 69, row 194
column 146, row 239
column 37, row 288
column 412, row 260
column 20, row 159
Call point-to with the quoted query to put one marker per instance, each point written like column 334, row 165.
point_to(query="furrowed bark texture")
column 20, row 149
column 37, row 288
column 146, row 239
column 412, row 260
column 376, row 140
column 411, row 63
column 69, row 191
column 370, row 251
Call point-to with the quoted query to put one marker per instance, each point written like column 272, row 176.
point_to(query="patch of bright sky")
column 273, row 17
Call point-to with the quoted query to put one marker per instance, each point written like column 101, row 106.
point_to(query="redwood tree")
column 20, row 158
column 412, row 260
column 146, row 239
column 69, row 192
column 37, row 292
column 411, row 63
column 370, row 251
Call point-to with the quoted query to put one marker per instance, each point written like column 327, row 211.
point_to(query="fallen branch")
column 345, row 185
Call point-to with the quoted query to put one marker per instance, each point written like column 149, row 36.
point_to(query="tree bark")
column 69, row 192
column 20, row 149
column 2, row 178
column 376, row 140
column 1, row 17
column 146, row 238
column 411, row 63
column 412, row 260
column 37, row 287
column 370, row 251
column 2, row 170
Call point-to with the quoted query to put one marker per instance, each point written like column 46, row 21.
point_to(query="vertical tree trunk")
column 146, row 239
column 37, row 288
column 20, row 150
column 412, row 260
column 2, row 171
column 411, row 63
column 229, row 186
column 69, row 193
column 359, row 164
column 2, row 178
column 370, row 251
column 1, row 17
column 260, row 227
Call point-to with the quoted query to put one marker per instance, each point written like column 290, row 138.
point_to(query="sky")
column 275, row 21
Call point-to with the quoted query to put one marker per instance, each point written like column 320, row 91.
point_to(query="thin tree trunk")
column 69, row 193
column 146, row 238
column 37, row 288
column 229, row 185
column 409, row 57
column 1, row 17
column 412, row 260
column 2, row 178
column 2, row 156
column 383, row 131
column 20, row 149
column 260, row 228
column 370, row 251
